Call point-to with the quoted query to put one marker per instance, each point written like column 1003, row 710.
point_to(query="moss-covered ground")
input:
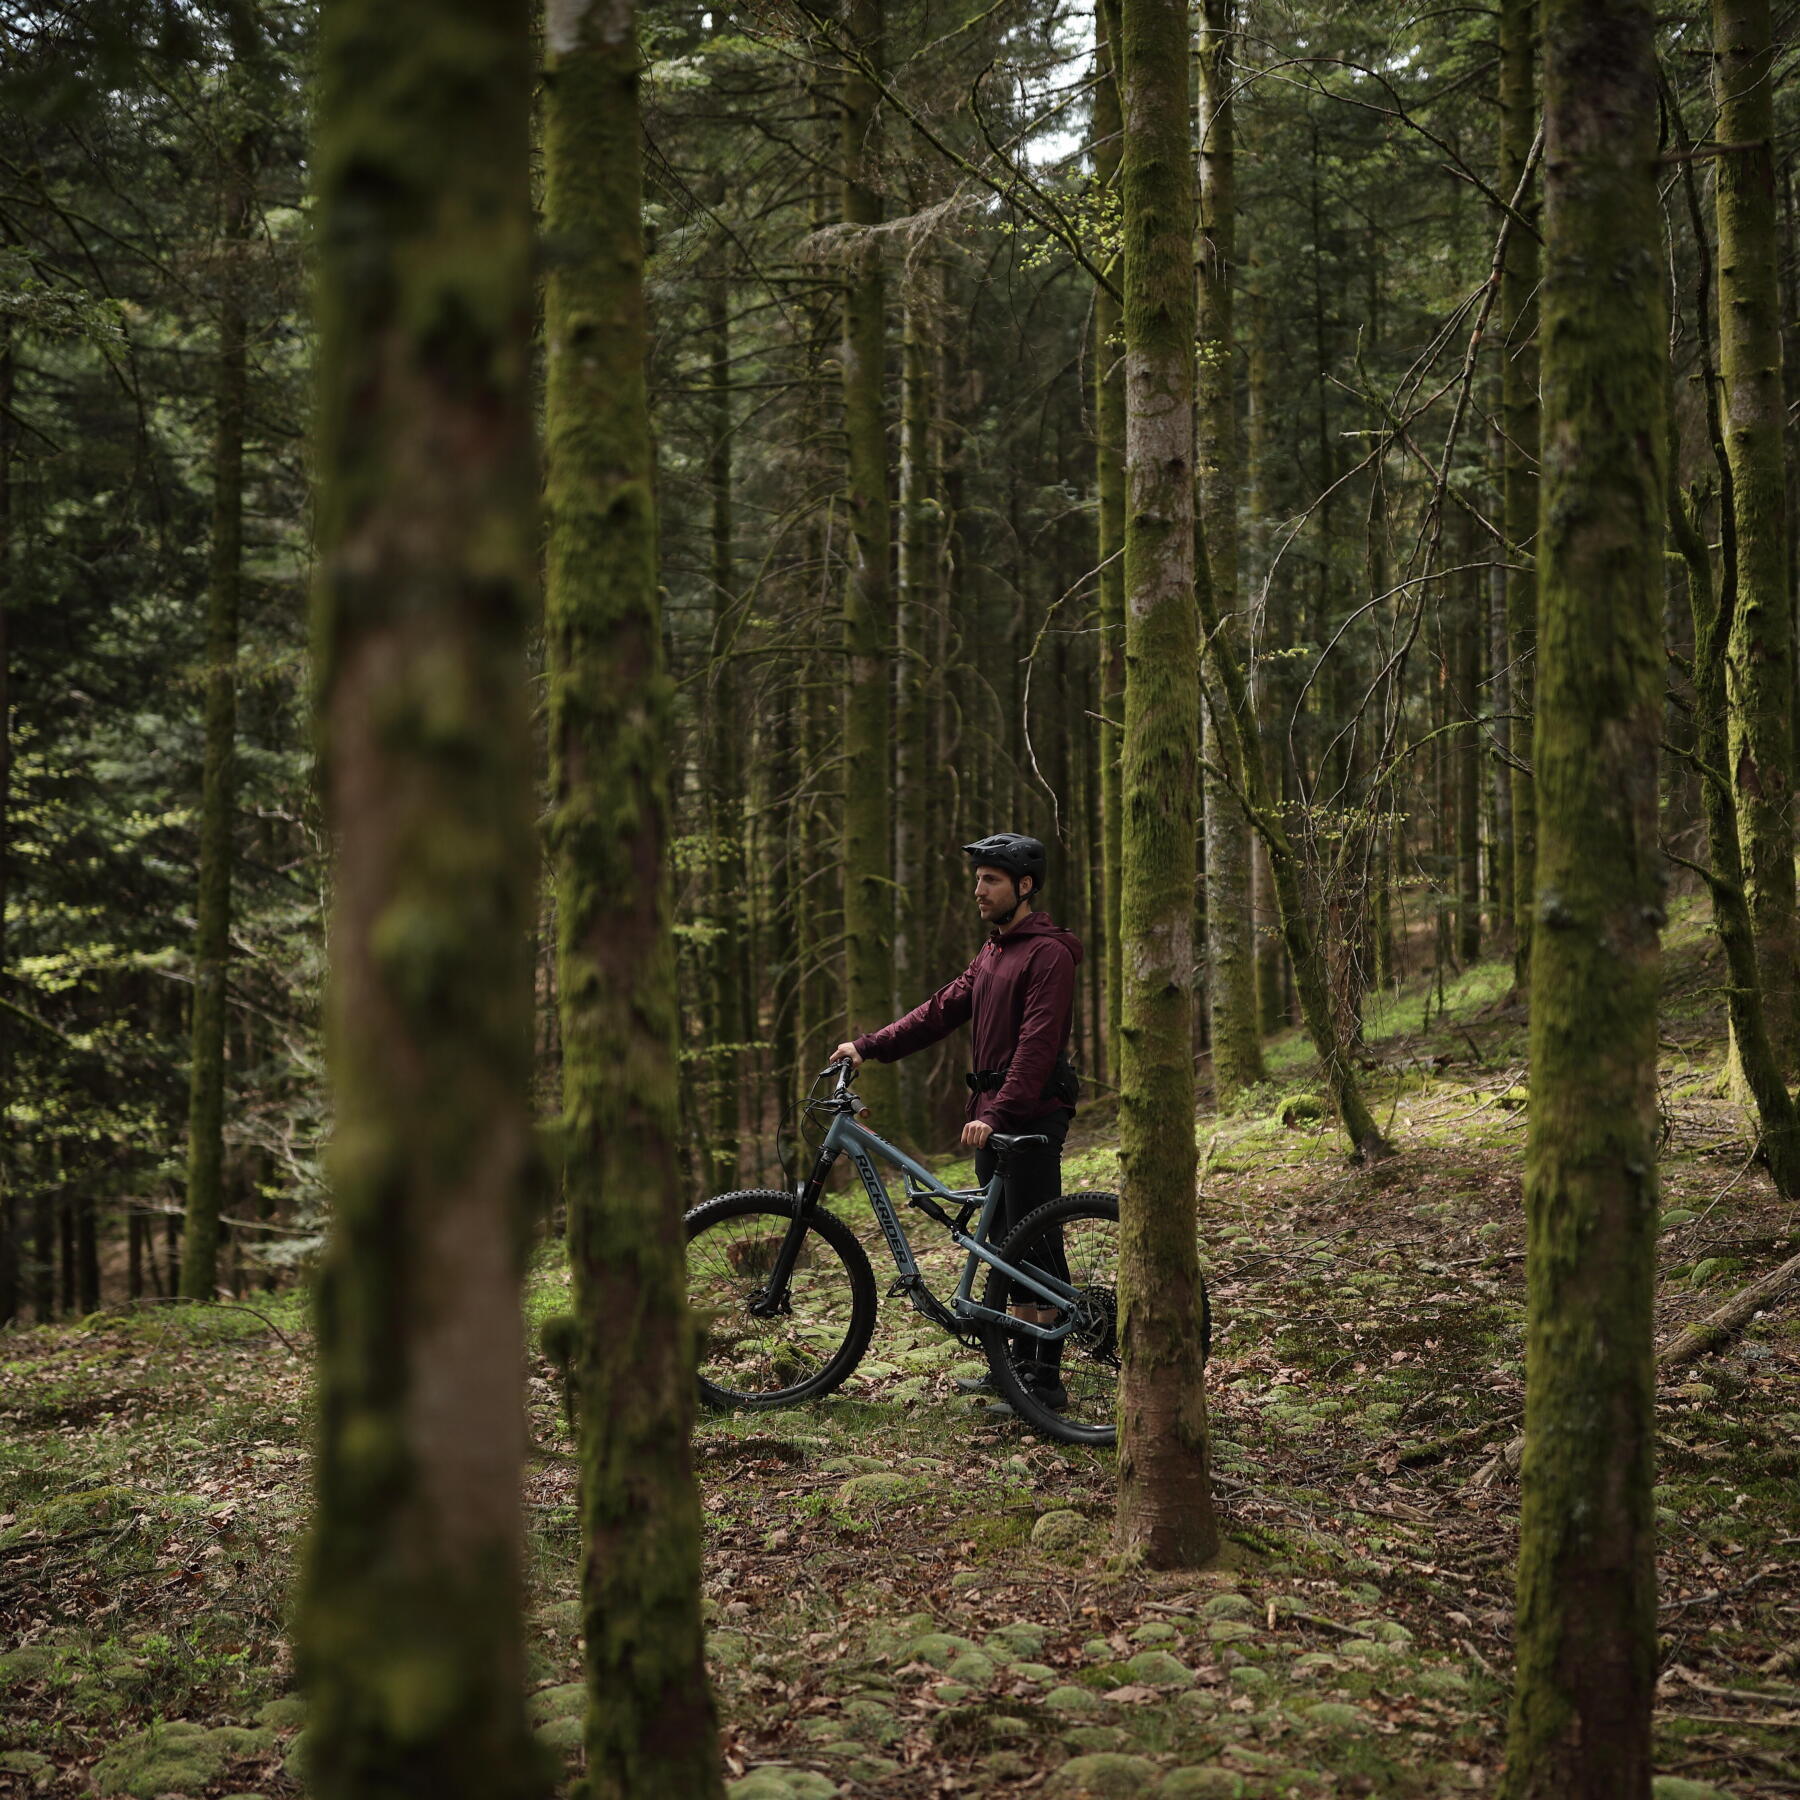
column 909, row 1600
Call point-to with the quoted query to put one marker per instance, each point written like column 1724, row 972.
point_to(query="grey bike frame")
column 862, row 1146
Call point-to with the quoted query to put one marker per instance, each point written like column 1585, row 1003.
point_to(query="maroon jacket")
column 1019, row 991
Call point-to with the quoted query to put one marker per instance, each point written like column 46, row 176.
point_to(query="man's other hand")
column 975, row 1134
column 847, row 1053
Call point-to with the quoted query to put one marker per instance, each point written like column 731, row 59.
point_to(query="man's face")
column 996, row 895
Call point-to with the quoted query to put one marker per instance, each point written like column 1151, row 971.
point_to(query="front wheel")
column 1071, row 1393
column 752, row 1354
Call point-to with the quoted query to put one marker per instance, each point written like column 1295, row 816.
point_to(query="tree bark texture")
column 409, row 1636
column 1165, row 1511
column 651, row 1725
column 868, row 602
column 218, row 796
column 1109, row 448
column 1586, row 1620
column 1757, row 1062
column 725, row 773
column 1519, row 421
column 915, row 761
column 11, row 1223
column 1230, row 936
column 1760, row 672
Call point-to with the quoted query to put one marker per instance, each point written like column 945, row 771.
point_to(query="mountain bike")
column 785, row 1297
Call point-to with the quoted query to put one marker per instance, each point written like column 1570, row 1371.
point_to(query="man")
column 1017, row 995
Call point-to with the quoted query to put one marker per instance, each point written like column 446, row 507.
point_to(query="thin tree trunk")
column 43, row 1252
column 426, row 541
column 1165, row 1512
column 1230, row 936
column 1519, row 420
column 1777, row 1116
column 1503, row 737
column 914, row 763
column 868, row 606
column 724, row 775
column 1585, row 1667
column 652, row 1730
column 1271, row 970
column 87, row 1253
column 12, row 1295
column 1471, row 628
column 1109, row 441
column 212, row 938
column 1760, row 672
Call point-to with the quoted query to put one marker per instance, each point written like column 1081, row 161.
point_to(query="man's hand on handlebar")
column 975, row 1134
column 847, row 1053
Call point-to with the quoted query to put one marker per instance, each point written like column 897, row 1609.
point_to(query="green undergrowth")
column 906, row 1597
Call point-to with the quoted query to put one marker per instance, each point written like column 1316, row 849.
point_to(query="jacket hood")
column 1039, row 924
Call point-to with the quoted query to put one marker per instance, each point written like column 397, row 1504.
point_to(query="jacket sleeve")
column 1043, row 1029
column 935, row 1018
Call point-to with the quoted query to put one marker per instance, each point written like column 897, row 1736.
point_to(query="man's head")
column 1009, row 872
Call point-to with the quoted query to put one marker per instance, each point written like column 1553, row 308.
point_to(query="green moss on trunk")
column 212, row 934
column 1109, row 458
column 1165, row 1509
column 408, row 1631
column 1519, row 414
column 868, row 602
column 1237, row 1058
column 1586, row 1619
column 651, row 1728
column 1760, row 672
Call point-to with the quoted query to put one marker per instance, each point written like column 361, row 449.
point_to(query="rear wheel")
column 750, row 1358
column 1083, row 1230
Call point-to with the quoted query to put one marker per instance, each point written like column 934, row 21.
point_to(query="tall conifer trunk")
column 1519, row 418
column 218, row 799
column 409, row 1634
column 1761, row 665
column 725, row 768
column 915, row 768
column 651, row 1727
column 1109, row 450
column 868, row 604
column 1230, row 937
column 11, row 1234
column 1586, row 1621
column 1165, row 1509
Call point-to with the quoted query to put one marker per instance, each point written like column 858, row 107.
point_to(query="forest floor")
column 906, row 1600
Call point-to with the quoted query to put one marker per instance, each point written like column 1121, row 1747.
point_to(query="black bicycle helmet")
column 1017, row 855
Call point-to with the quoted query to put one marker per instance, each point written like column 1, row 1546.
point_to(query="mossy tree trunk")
column 1109, row 452
column 1760, row 672
column 725, row 772
column 1165, row 1511
column 11, row 1293
column 1585, row 1666
column 1230, row 936
column 1471, row 628
column 915, row 761
column 1519, row 419
column 651, row 1727
column 1271, row 960
column 218, row 795
column 868, row 602
column 409, row 1635
column 1777, row 1116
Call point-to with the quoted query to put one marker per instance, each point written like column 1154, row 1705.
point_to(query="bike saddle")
column 1004, row 1141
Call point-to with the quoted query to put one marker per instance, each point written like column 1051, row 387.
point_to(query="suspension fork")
column 772, row 1297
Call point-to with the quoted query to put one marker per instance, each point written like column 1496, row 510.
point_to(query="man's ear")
column 1025, row 886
